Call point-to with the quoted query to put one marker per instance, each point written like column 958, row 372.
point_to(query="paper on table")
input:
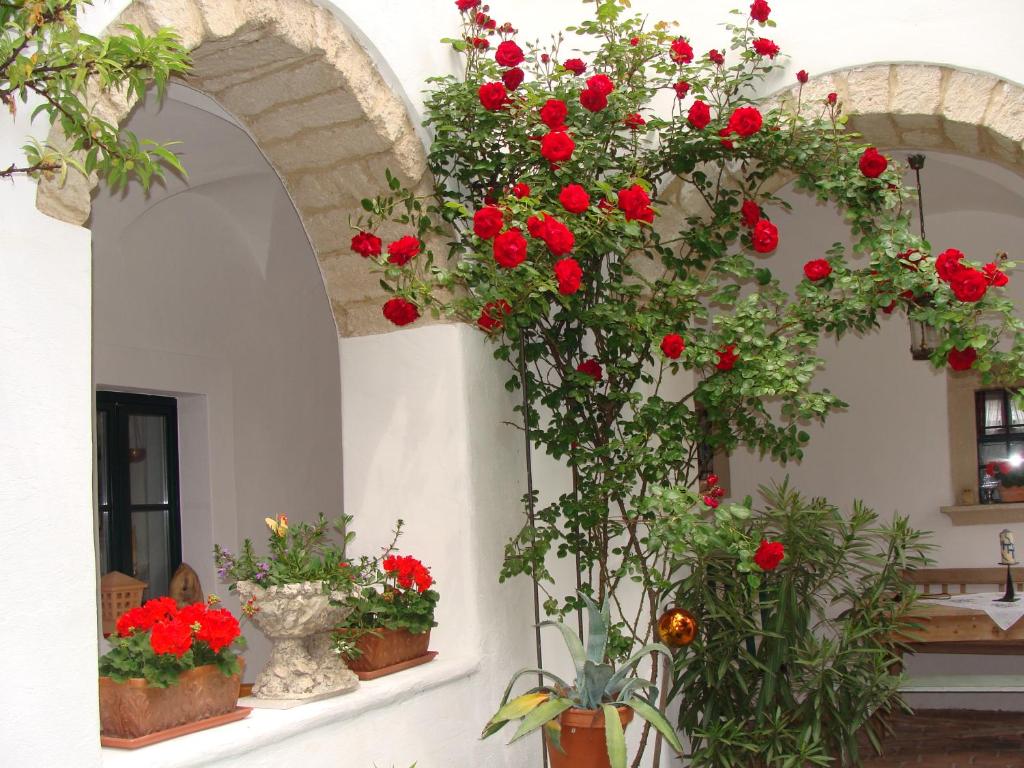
column 1005, row 615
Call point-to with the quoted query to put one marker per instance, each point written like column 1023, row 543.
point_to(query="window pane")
column 102, row 463
column 993, row 452
column 993, row 414
column 150, row 545
column 1016, row 415
column 147, row 462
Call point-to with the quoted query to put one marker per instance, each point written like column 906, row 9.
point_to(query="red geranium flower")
column 681, row 51
column 765, row 47
column 872, row 163
column 557, row 146
column 601, row 84
column 492, row 316
column 699, row 115
column 399, row 311
column 765, row 237
column 759, row 11
column 769, row 555
column 817, row 269
column 576, row 66
column 681, row 88
column 508, row 54
column 513, row 78
column 593, row 100
column 366, row 244
column 493, row 96
column 591, row 368
column 553, row 113
column 745, row 121
column 727, row 357
column 751, row 213
column 635, row 203
column 403, row 250
column 521, row 190
column 510, row 248
column 969, row 285
column 569, row 275
column 672, row 345
column 218, row 629
column 574, row 198
column 947, row 264
column 172, row 636
column 488, row 221
column 962, row 360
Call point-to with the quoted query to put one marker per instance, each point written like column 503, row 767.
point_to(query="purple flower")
column 263, row 571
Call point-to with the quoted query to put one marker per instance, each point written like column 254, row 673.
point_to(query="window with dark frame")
column 137, row 487
column 1000, row 430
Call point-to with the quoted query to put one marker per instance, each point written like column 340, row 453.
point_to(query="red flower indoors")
column 574, row 198
column 681, row 51
column 769, row 555
column 487, row 222
column 557, row 146
column 171, row 637
column 576, row 66
column 510, row 248
column 593, row 100
column 601, row 84
column 591, row 368
column 947, row 264
column 745, row 121
column 962, row 359
column 681, row 88
column 558, row 237
column 759, row 11
column 727, row 358
column 699, row 115
column 512, row 78
column 716, row 57
column 521, row 190
column 493, row 96
column 872, row 163
column 634, row 121
column 635, row 203
column 672, row 345
column 569, row 275
column 751, row 213
column 366, row 245
column 403, row 250
column 817, row 269
column 765, row 47
column 492, row 316
column 802, row 76
column 399, row 311
column 508, row 54
column 969, row 285
column 553, row 113
column 765, row 236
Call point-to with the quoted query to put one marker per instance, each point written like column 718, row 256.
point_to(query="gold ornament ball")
column 677, row 628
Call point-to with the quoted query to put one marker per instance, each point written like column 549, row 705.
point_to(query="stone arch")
column 315, row 104
column 916, row 106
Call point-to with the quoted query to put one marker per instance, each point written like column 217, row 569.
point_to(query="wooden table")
column 945, row 629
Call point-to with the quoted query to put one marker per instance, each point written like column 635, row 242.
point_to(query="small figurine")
column 1007, row 548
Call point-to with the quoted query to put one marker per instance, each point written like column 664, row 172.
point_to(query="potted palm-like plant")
column 584, row 723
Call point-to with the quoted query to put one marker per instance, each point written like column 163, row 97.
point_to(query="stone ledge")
column 984, row 514
column 265, row 727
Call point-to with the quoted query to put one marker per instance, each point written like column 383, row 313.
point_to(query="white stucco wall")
column 45, row 332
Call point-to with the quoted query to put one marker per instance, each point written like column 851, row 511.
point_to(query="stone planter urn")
column 298, row 619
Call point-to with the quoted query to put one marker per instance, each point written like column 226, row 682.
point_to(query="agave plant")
column 598, row 685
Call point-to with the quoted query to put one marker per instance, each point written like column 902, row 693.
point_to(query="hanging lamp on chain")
column 924, row 339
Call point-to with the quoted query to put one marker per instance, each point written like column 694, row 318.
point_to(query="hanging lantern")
column 677, row 628
column 924, row 339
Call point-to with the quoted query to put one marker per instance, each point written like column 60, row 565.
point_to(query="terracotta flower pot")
column 1011, row 493
column 583, row 739
column 134, row 708
column 387, row 647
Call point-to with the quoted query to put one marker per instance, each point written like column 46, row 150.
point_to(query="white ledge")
column 985, row 514
column 264, row 727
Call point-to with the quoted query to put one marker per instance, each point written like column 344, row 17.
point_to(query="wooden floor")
column 955, row 739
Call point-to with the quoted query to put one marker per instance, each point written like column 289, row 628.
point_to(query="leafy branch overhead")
column 46, row 58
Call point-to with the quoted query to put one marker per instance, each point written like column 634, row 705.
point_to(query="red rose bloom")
column 557, row 146
column 553, row 113
column 765, row 47
column 634, row 41
column 487, row 222
column 769, row 555
column 969, row 285
column 751, row 213
column 831, row 98
column 802, row 76
column 725, row 141
column 508, row 54
column 634, row 121
column 947, row 264
column 591, row 368
column 759, row 11
column 635, row 203
column 817, row 269
column 512, row 78
column 172, row 637
column 727, row 358
column 569, row 275
column 872, row 164
column 399, row 311
column 465, row 5
column 218, row 629
column 510, row 248
column 681, row 51
column 535, row 226
column 681, row 88
column 699, row 115
column 493, row 96
column 745, row 121
column 716, row 57
column 765, row 236
column 601, row 84
column 995, row 275
column 593, row 100
column 576, row 66
column 673, row 345
column 366, row 245
column 403, row 250
column 492, row 316
column 962, row 360
column 557, row 236
column 480, row 43
column 521, row 190
column 574, row 198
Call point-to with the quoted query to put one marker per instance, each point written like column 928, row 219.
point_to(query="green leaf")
column 518, row 707
column 656, row 719
column 549, row 710
column 614, row 736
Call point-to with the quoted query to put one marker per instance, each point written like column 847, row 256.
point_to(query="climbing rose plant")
column 552, row 166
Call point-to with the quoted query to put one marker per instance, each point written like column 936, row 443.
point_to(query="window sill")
column 985, row 514
column 266, row 727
